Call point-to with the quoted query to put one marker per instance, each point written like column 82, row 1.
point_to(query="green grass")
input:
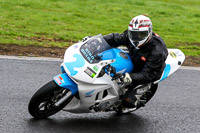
column 62, row 22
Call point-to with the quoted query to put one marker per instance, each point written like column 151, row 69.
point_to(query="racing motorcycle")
column 86, row 83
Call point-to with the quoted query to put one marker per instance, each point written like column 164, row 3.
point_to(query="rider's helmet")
column 140, row 31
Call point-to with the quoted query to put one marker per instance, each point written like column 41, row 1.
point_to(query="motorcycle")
column 86, row 84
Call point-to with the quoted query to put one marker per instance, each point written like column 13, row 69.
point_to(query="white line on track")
column 30, row 58
column 59, row 59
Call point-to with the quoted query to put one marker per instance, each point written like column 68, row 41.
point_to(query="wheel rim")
column 46, row 105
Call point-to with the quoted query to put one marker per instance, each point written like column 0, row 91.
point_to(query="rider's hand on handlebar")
column 125, row 78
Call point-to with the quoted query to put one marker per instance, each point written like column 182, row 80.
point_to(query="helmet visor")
column 137, row 36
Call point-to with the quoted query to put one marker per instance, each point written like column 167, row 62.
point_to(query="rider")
column 148, row 53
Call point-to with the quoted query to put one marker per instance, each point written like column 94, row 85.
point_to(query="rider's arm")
column 152, row 70
column 117, row 39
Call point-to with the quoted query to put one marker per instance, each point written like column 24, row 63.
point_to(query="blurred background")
column 60, row 23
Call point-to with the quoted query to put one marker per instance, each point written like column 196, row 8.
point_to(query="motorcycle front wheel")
column 42, row 104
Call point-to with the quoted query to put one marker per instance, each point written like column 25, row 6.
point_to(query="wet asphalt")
column 175, row 108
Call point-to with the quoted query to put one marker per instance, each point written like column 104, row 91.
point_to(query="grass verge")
column 60, row 23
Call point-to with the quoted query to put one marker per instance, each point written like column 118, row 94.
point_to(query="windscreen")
column 93, row 50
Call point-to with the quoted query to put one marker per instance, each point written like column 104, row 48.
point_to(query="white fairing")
column 173, row 62
column 91, row 94
column 69, row 58
column 81, row 74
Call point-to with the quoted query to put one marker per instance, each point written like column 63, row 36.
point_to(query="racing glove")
column 125, row 78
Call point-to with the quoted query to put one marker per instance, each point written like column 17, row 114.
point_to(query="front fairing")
column 83, row 61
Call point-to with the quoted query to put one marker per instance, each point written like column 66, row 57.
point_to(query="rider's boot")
column 135, row 98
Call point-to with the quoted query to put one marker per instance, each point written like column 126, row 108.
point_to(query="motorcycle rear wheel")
column 42, row 103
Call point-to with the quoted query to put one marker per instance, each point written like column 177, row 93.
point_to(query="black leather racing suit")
column 149, row 60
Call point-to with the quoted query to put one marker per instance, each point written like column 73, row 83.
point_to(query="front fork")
column 64, row 81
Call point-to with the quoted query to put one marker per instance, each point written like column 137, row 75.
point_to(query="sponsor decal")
column 61, row 79
column 58, row 81
column 90, row 72
column 156, row 34
column 143, row 58
column 96, row 68
column 179, row 53
column 75, row 46
column 89, row 94
column 88, row 54
column 172, row 54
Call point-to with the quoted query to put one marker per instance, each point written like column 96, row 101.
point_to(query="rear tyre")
column 42, row 103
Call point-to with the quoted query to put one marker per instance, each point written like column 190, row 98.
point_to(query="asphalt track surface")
column 175, row 108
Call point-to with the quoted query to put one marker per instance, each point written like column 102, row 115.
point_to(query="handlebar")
column 110, row 70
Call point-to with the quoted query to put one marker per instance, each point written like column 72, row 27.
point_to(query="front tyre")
column 42, row 104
